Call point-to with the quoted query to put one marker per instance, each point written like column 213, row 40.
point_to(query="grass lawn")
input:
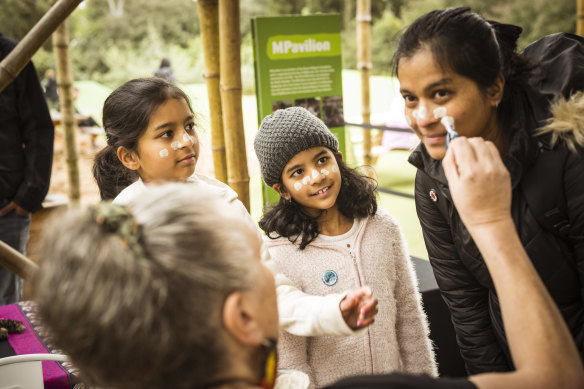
column 392, row 168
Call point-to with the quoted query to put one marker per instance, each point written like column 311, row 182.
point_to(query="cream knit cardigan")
column 397, row 340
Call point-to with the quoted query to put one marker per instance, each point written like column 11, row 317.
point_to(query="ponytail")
column 516, row 70
column 110, row 174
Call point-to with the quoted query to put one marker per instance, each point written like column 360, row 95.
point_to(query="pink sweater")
column 396, row 341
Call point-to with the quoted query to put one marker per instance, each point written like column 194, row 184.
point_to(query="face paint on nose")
column 314, row 173
column 163, row 153
column 306, row 180
column 187, row 138
column 176, row 145
column 324, row 172
column 297, row 186
column 420, row 113
column 439, row 112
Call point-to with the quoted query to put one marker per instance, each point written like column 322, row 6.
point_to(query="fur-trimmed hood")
column 567, row 121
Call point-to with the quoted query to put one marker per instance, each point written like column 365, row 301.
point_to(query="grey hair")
column 152, row 321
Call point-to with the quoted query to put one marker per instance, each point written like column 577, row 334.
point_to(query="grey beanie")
column 284, row 134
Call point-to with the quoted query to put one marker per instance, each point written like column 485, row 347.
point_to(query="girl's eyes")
column 190, row 127
column 166, row 134
column 322, row 160
column 297, row 173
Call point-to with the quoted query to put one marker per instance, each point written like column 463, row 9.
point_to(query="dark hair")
column 165, row 63
column 126, row 113
column 473, row 47
column 289, row 219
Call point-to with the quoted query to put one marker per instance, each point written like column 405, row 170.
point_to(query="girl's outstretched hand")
column 359, row 308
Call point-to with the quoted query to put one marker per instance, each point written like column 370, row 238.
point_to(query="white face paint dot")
column 297, row 186
column 324, row 172
column 176, row 145
column 439, row 112
column 422, row 112
column 409, row 121
column 188, row 138
column 314, row 173
column 163, row 153
column 306, row 180
column 335, row 168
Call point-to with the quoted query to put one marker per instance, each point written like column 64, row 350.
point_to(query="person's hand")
column 12, row 206
column 479, row 183
column 359, row 308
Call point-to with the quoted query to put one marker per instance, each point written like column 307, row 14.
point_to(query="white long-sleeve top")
column 300, row 314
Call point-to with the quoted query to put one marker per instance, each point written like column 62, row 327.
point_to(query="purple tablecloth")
column 56, row 375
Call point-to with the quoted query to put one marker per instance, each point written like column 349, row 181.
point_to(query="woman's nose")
column 423, row 117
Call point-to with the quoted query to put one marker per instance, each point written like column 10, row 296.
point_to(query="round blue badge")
column 330, row 277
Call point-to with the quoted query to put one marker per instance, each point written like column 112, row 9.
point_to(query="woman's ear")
column 339, row 154
column 495, row 91
column 240, row 321
column 128, row 158
column 282, row 191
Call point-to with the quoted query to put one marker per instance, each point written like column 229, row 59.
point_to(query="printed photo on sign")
column 312, row 104
column 332, row 107
column 281, row 104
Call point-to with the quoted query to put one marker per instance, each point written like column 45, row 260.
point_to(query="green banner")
column 297, row 62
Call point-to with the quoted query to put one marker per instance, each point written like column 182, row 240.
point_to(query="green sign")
column 298, row 63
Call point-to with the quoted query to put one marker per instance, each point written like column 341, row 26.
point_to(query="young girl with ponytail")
column 460, row 74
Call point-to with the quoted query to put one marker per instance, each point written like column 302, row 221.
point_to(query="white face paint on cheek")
column 163, row 153
column 175, row 145
column 314, row 173
column 297, row 186
column 306, row 180
column 408, row 120
column 335, row 169
column 439, row 112
column 324, row 172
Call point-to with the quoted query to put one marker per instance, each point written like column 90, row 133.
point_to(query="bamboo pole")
column 364, row 66
column 209, row 22
column 65, row 83
column 16, row 262
column 14, row 62
column 580, row 18
column 230, row 77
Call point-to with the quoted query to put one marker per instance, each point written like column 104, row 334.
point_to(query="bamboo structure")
column 209, row 21
column 14, row 62
column 64, row 81
column 580, row 18
column 230, row 85
column 16, row 262
column 364, row 66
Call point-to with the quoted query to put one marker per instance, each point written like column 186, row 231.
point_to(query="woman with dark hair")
column 460, row 74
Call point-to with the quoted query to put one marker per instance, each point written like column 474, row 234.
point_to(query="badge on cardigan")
column 433, row 195
column 330, row 277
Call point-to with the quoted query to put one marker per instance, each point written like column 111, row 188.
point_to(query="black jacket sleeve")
column 574, row 190
column 37, row 134
column 467, row 300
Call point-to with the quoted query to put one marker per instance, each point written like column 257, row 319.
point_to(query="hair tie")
column 117, row 219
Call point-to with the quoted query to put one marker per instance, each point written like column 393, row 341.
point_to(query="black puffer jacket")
column 460, row 271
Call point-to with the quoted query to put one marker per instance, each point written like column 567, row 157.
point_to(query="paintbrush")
column 448, row 123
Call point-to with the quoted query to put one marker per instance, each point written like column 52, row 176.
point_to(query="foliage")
column 114, row 40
